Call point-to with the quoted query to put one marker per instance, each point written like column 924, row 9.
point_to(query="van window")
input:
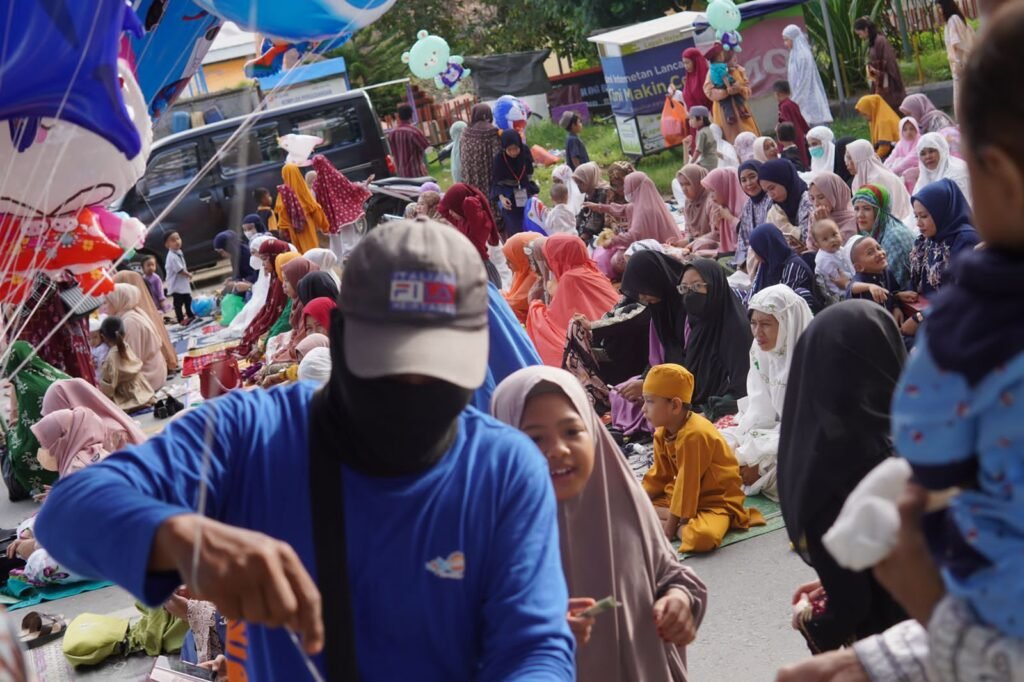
column 172, row 169
column 256, row 147
column 338, row 126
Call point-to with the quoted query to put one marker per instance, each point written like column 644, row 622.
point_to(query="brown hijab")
column 479, row 146
column 148, row 307
column 696, row 212
column 612, row 544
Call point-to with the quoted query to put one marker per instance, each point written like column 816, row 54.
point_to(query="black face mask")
column 695, row 303
column 385, row 427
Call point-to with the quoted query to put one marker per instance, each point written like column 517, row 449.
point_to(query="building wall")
column 225, row 75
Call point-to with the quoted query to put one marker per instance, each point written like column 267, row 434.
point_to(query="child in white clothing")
column 832, row 261
column 559, row 217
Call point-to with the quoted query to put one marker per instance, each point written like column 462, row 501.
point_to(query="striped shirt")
column 407, row 146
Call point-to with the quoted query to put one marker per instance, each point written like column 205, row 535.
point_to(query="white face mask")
column 249, row 232
column 256, row 263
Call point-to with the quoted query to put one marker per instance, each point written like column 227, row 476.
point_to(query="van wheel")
column 361, row 226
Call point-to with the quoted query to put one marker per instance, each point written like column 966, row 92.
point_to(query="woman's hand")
column 670, row 524
column 246, row 575
column 41, row 496
column 242, row 287
column 879, row 294
column 674, row 618
column 834, row 666
column 909, row 327
column 21, row 548
column 581, row 626
column 177, row 606
column 821, row 213
column 506, row 203
column 734, row 89
column 633, row 391
column 813, row 590
column 718, row 94
column 218, row 665
column 909, row 573
column 750, row 475
column 582, row 319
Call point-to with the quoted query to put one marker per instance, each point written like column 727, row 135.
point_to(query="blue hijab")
column 255, row 219
column 954, row 233
column 755, row 166
column 238, row 251
column 783, row 172
column 510, row 349
column 770, row 245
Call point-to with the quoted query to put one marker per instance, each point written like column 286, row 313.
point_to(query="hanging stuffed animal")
column 725, row 18
column 430, row 57
column 511, row 113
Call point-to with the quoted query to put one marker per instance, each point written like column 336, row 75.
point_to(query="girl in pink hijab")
column 903, row 159
column 119, row 429
column 71, row 439
column 727, row 200
column 648, row 218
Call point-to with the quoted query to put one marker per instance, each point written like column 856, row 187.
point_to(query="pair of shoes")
column 39, row 628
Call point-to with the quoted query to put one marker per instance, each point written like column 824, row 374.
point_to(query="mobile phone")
column 172, row 670
column 606, row 604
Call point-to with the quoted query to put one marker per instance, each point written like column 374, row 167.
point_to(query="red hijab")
column 274, row 304
column 693, row 90
column 474, row 218
column 320, row 310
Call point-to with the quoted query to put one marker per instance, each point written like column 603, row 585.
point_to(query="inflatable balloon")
column 61, row 56
column 202, row 306
column 298, row 20
column 430, row 57
column 275, row 57
column 725, row 18
column 178, row 34
column 511, row 113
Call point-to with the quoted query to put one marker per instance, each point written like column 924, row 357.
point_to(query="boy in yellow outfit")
column 695, row 482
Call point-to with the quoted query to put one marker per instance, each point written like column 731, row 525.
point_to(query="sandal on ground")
column 38, row 629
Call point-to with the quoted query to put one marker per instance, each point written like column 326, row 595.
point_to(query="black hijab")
column 317, row 285
column 655, row 274
column 977, row 324
column 835, row 429
column 718, row 352
column 754, row 165
column 506, row 169
column 839, row 162
column 782, row 172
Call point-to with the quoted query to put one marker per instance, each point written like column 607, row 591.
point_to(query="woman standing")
column 299, row 214
column 456, row 131
column 959, row 39
column 512, row 181
column 804, row 77
column 696, row 74
column 875, row 219
column 882, row 65
column 139, row 333
column 342, row 201
column 479, row 147
column 716, row 95
column 468, row 210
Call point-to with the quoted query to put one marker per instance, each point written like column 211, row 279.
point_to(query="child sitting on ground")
column 121, row 377
column 734, row 107
column 789, row 112
column 957, row 412
column 831, row 262
column 99, row 348
column 154, row 283
column 788, row 148
column 874, row 280
column 695, row 481
column 703, row 145
column 559, row 217
column 426, row 206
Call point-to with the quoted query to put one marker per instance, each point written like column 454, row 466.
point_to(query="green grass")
column 602, row 142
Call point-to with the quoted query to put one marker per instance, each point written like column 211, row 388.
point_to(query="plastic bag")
column 674, row 127
column 230, row 306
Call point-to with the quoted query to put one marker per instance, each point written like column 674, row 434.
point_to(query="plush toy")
column 731, row 41
column 511, row 113
column 725, row 18
column 430, row 57
column 299, row 147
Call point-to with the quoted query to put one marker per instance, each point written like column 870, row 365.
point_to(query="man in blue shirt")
column 438, row 527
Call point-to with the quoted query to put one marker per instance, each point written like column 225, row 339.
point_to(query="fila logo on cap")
column 423, row 292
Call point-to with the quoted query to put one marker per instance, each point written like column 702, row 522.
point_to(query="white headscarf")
column 759, row 144
column 563, row 174
column 949, row 166
column 805, row 80
column 259, row 291
column 744, row 145
column 826, row 162
column 326, row 260
column 727, row 155
column 316, row 366
column 769, row 370
column 871, row 171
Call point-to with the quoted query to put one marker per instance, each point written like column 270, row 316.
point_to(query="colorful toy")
column 203, row 306
column 274, row 57
column 511, row 113
column 725, row 18
column 430, row 57
column 298, row 20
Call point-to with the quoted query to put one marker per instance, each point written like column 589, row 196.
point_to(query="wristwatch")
column 919, row 317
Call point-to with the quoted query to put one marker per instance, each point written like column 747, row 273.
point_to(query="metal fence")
column 922, row 16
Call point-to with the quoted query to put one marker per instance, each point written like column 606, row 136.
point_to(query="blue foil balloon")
column 59, row 60
column 298, row 20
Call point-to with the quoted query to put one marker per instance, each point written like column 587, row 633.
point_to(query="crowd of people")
column 653, row 376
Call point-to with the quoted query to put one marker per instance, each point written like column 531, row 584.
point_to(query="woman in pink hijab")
column 727, row 200
column 119, row 429
column 73, row 439
column 648, row 218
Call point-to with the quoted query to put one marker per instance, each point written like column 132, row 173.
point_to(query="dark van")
column 353, row 142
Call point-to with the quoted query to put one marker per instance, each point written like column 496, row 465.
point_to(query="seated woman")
column 276, row 300
column 755, row 210
column 281, row 348
column 883, row 123
column 765, row 149
column 821, row 146
column 523, row 274
column 139, row 333
column 695, row 205
column 587, row 178
column 778, row 263
column 315, row 365
column 318, row 315
column 875, row 218
column 793, row 206
column 778, row 317
column 563, row 175
column 243, row 275
column 726, row 200
column 923, row 111
column 148, row 307
column 326, row 260
column 944, row 219
column 648, row 218
column 835, row 429
column 259, row 291
column 579, row 289
column 603, row 517
column 120, row 430
column 833, row 201
column 903, row 160
column 936, row 163
column 283, row 372
column 867, row 169
column 697, row 321
column 122, row 377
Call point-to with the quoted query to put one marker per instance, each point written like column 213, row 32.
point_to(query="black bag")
column 167, row 407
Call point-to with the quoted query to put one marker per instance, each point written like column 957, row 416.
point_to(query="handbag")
column 219, row 377
column 79, row 303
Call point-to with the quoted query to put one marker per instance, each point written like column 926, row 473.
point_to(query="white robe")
column 805, row 79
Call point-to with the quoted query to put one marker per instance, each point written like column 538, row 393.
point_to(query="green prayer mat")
column 18, row 595
column 773, row 521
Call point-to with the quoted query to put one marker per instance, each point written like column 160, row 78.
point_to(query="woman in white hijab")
column 563, row 174
column 259, row 291
column 316, row 366
column 868, row 169
column 820, row 137
column 804, row 78
column 778, row 317
column 935, row 163
column 765, row 149
column 728, row 157
column 744, row 146
column 326, row 260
